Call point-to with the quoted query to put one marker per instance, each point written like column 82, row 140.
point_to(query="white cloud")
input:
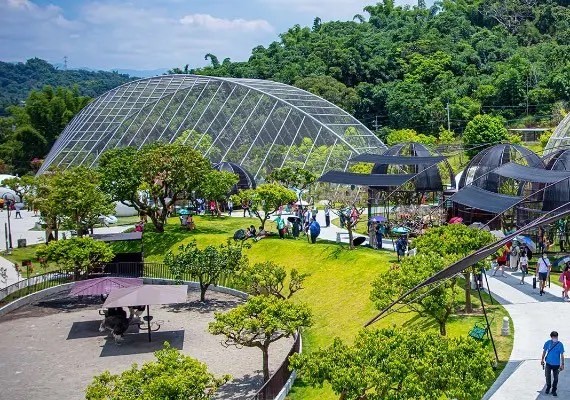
column 212, row 23
column 106, row 34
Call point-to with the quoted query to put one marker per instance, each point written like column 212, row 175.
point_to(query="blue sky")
column 147, row 34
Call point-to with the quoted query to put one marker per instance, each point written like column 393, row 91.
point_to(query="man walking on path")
column 553, row 363
column 327, row 216
column 543, row 267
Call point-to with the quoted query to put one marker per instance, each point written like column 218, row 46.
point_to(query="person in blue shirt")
column 314, row 230
column 552, row 361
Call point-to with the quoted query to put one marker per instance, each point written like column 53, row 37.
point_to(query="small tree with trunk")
column 399, row 364
column 77, row 195
column 295, row 178
column 268, row 278
column 456, row 240
column 340, row 205
column 266, row 200
column 217, row 185
column 153, row 178
column 259, row 322
column 75, row 254
column 206, row 265
column 438, row 302
column 172, row 375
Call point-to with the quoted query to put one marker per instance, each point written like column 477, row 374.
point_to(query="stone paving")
column 534, row 317
column 52, row 349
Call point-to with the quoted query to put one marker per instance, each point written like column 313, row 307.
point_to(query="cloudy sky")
column 147, row 34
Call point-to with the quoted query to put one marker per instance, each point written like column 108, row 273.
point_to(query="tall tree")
column 399, row 364
column 482, row 132
column 76, row 254
column 153, row 178
column 455, row 240
column 262, row 320
column 80, row 202
column 207, row 265
column 217, row 185
column 266, row 200
column 438, row 302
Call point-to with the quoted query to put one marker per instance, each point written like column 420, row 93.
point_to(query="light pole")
column 9, row 199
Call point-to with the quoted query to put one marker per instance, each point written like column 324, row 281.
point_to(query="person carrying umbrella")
column 379, row 232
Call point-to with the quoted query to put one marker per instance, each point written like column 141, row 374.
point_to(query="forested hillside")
column 401, row 67
column 18, row 79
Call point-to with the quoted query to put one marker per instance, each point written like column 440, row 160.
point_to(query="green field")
column 337, row 289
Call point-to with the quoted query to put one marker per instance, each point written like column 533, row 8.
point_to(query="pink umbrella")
column 99, row 286
column 456, row 220
column 147, row 295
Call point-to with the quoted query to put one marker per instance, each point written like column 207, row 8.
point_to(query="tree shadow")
column 207, row 307
column 138, row 343
column 241, row 388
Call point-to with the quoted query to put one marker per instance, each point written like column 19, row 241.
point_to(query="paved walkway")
column 22, row 228
column 534, row 317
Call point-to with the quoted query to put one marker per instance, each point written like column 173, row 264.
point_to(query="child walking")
column 523, row 262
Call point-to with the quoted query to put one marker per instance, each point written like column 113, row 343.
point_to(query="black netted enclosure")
column 246, row 180
column 406, row 183
column 494, row 182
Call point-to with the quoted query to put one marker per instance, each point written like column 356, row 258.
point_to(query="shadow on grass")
column 207, row 307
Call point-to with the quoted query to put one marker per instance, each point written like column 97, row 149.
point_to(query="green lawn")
column 337, row 290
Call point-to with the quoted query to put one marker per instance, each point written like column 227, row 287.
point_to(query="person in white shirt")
column 523, row 262
column 543, row 267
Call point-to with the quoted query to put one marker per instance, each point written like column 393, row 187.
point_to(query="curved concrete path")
column 534, row 317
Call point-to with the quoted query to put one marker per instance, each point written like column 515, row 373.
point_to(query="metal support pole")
column 9, row 227
column 6, row 236
column 148, row 320
column 487, row 323
column 487, row 281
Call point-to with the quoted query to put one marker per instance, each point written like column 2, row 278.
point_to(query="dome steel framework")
column 257, row 124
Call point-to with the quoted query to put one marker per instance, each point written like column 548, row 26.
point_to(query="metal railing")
column 275, row 384
column 34, row 284
column 268, row 391
column 122, row 269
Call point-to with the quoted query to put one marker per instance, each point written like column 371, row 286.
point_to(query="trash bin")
column 22, row 243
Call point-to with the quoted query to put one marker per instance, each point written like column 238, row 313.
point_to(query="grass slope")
column 337, row 290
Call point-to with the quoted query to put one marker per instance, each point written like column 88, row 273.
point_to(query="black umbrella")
column 293, row 219
column 358, row 241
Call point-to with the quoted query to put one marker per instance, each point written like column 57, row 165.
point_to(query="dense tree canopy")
column 172, row 376
column 399, row 364
column 400, row 66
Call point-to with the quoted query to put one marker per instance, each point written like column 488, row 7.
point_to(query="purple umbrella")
column 378, row 218
column 99, row 286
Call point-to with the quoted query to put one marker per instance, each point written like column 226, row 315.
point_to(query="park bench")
column 479, row 330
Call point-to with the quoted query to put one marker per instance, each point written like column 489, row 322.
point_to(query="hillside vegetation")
column 399, row 67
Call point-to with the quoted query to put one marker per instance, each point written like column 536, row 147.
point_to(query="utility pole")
column 448, row 118
column 376, row 126
column 65, row 63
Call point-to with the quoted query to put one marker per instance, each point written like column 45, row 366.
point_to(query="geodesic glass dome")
column 254, row 123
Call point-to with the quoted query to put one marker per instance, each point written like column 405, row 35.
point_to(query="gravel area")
column 53, row 348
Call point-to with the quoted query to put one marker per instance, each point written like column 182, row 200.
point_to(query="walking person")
column 327, row 216
column 18, row 207
column 552, row 362
column 501, row 260
column 314, row 230
column 523, row 261
column 565, row 280
column 543, row 268
column 230, row 206
column 514, row 256
column 379, row 232
column 280, row 222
